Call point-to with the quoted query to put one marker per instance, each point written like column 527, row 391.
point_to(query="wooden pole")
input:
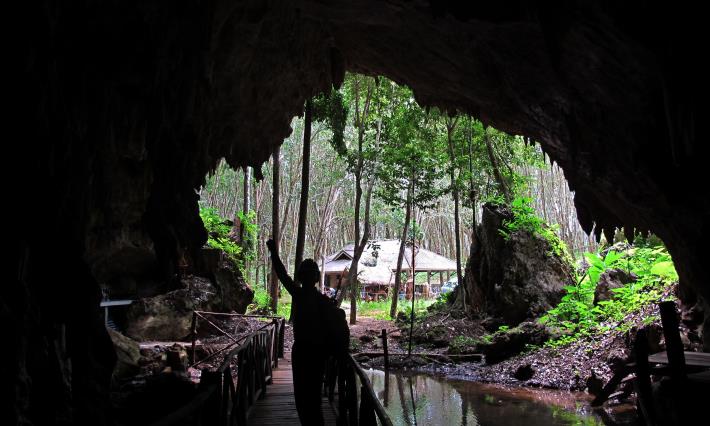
column 193, row 332
column 674, row 346
column 385, row 350
column 428, row 283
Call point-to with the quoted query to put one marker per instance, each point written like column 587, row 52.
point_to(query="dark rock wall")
column 121, row 107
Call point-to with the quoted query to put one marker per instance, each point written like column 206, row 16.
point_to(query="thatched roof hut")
column 378, row 263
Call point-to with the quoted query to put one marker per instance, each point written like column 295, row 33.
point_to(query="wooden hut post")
column 428, row 282
column 322, row 273
column 441, row 277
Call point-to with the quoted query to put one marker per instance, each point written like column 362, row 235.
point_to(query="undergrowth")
column 380, row 309
column 576, row 316
column 218, row 230
column 525, row 219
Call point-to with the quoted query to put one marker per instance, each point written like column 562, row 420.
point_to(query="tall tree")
column 246, row 207
column 471, row 185
column 362, row 90
column 502, row 184
column 450, row 127
column 411, row 157
column 305, row 184
column 274, row 288
column 400, row 255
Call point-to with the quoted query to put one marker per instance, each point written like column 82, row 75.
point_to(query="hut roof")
column 379, row 261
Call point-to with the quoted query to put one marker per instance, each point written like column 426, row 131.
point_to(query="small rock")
column 363, row 359
column 127, row 353
column 594, row 385
column 524, row 372
column 366, row 338
column 609, row 280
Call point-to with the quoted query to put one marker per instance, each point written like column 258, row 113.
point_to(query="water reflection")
column 419, row 399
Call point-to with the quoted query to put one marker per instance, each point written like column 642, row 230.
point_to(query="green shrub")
column 262, row 301
column 461, row 344
column 576, row 315
column 218, row 230
column 284, row 310
column 525, row 219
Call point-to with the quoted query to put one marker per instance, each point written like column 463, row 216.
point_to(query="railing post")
column 211, row 413
column 275, row 343
column 342, row 392
column 269, row 367
column 251, row 368
column 282, row 333
column 642, row 383
column 367, row 410
column 242, row 385
column 224, row 409
column 193, row 333
column 351, row 392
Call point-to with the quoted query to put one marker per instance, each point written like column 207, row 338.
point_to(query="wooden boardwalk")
column 278, row 407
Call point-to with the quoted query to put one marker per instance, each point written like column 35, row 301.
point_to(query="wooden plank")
column 694, row 359
column 279, row 405
column 107, row 303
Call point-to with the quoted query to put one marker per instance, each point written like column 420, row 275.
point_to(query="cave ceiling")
column 137, row 101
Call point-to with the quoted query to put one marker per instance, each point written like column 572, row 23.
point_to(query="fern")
column 576, row 315
column 525, row 219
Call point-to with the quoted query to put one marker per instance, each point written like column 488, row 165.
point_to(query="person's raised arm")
column 279, row 268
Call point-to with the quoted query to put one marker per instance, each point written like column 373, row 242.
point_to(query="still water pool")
column 420, row 399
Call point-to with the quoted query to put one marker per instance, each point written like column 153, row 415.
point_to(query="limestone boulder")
column 127, row 355
column 515, row 278
column 608, row 281
column 168, row 317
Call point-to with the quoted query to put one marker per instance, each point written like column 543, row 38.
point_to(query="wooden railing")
column 221, row 401
column 345, row 373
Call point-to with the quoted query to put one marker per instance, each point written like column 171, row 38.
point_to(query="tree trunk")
column 359, row 243
column 450, row 126
column 496, row 169
column 246, row 206
column 472, row 186
column 400, row 256
column 274, row 290
column 305, row 183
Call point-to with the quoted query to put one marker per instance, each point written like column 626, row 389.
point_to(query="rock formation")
column 608, row 281
column 128, row 355
column 167, row 317
column 123, row 107
column 513, row 278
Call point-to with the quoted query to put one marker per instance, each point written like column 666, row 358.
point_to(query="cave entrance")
column 443, row 156
column 527, row 267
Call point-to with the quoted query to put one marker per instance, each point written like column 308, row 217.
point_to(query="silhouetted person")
column 309, row 347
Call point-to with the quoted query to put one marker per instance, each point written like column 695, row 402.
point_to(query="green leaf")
column 594, row 260
column 664, row 269
column 611, row 258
